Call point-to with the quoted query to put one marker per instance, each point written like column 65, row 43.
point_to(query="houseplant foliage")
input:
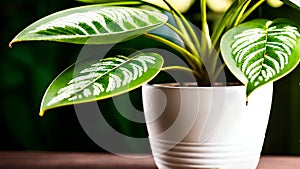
column 256, row 52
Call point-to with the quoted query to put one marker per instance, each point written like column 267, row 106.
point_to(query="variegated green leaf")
column 158, row 3
column 95, row 80
column 114, row 2
column 261, row 51
column 94, row 24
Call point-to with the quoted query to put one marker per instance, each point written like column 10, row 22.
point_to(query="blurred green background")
column 28, row 68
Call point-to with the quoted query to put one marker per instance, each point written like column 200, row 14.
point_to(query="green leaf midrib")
column 103, row 36
column 265, row 46
column 112, row 26
column 274, row 47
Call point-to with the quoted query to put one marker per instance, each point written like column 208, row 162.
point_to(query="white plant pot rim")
column 193, row 85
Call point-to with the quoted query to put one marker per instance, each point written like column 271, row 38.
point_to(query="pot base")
column 205, row 156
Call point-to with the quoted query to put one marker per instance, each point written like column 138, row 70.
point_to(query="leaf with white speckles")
column 94, row 24
column 96, row 80
column 261, row 51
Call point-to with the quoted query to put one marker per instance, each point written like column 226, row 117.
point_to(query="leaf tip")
column 41, row 113
column 10, row 44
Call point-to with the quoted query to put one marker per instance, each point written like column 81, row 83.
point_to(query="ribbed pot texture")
column 206, row 127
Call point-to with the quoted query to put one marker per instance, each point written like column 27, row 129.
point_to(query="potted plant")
column 206, row 124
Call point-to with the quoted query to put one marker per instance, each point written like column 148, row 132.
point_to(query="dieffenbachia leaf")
column 293, row 3
column 93, row 24
column 95, row 80
column 158, row 3
column 261, row 51
column 114, row 2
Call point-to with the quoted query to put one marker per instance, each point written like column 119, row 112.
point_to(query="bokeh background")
column 27, row 69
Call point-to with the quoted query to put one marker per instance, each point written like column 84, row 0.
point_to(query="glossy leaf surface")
column 159, row 3
column 261, row 51
column 88, row 81
column 94, row 24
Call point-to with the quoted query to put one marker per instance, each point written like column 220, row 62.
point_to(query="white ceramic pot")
column 206, row 127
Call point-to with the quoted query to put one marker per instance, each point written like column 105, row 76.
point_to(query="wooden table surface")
column 73, row 160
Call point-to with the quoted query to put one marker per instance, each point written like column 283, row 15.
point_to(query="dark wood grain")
column 73, row 160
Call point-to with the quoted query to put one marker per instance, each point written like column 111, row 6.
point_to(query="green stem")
column 218, row 72
column 254, row 7
column 205, row 29
column 236, row 13
column 203, row 14
column 227, row 22
column 198, row 76
column 238, row 19
column 189, row 45
column 186, row 24
column 191, row 59
column 177, row 31
column 186, row 40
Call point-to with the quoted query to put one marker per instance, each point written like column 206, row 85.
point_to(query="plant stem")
column 198, row 76
column 228, row 21
column 189, row 44
column 178, row 32
column 192, row 60
column 238, row 19
column 186, row 24
column 254, row 7
column 203, row 15
column 205, row 29
column 218, row 72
